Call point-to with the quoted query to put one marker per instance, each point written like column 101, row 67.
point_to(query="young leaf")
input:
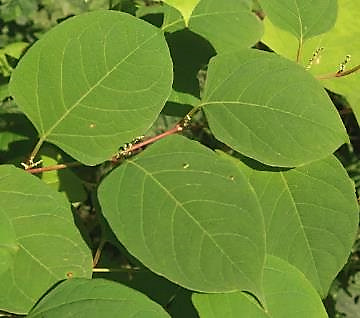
column 304, row 19
column 177, row 208
column 336, row 44
column 49, row 247
column 311, row 217
column 82, row 298
column 270, row 109
column 94, row 82
column 287, row 294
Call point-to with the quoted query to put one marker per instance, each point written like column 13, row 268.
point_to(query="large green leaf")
column 311, row 217
column 303, row 18
column 270, row 109
column 82, row 298
column 177, row 207
column 94, row 82
column 287, row 293
column 337, row 43
column 49, row 247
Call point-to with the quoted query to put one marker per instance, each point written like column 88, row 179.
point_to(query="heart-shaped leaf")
column 270, row 109
column 177, row 208
column 49, row 247
column 83, row 298
column 287, row 293
column 94, row 82
column 311, row 216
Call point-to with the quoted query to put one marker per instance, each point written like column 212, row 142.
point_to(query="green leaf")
column 311, row 216
column 337, row 44
column 186, row 7
column 229, row 305
column 287, row 294
column 110, row 77
column 82, row 298
column 303, row 18
column 185, row 218
column 270, row 109
column 8, row 245
column 228, row 25
column 49, row 246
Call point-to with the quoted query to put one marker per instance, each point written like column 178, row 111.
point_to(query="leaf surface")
column 336, row 45
column 8, row 246
column 82, row 298
column 311, row 217
column 92, row 83
column 49, row 247
column 178, row 209
column 270, row 109
column 302, row 18
column 287, row 294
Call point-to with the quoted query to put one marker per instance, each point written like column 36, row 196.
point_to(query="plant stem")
column 36, row 150
column 98, row 252
column 55, row 167
column 339, row 74
column 111, row 270
column 178, row 128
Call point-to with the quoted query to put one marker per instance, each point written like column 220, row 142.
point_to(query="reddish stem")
column 178, row 128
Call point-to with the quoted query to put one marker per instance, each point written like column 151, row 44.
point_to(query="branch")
column 339, row 74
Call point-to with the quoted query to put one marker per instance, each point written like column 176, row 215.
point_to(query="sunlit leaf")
column 335, row 46
column 302, row 18
column 186, row 7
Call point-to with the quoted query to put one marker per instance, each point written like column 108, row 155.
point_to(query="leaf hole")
column 92, row 125
column 186, row 165
column 232, row 178
column 69, row 274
